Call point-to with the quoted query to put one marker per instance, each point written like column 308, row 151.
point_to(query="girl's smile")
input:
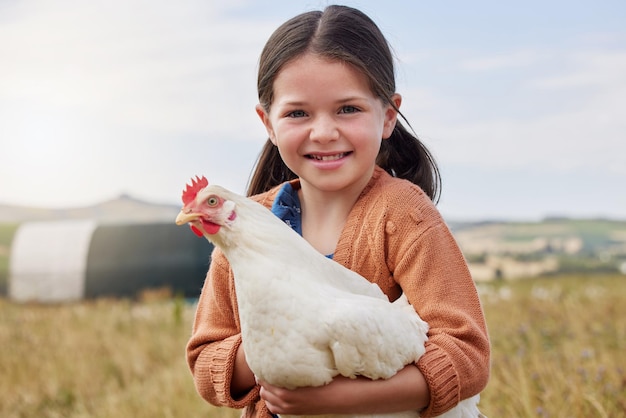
column 328, row 162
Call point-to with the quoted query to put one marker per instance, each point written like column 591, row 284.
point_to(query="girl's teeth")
column 328, row 157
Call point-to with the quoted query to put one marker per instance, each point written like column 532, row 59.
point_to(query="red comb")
column 197, row 184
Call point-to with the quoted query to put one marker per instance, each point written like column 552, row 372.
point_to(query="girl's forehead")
column 314, row 68
column 309, row 58
column 317, row 80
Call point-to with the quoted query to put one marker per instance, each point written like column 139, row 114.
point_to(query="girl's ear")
column 391, row 115
column 265, row 118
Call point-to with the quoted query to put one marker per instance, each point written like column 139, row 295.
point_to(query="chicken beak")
column 186, row 217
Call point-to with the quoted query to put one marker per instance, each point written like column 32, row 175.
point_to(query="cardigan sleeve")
column 432, row 272
column 216, row 336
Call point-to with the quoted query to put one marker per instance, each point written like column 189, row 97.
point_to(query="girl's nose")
column 324, row 129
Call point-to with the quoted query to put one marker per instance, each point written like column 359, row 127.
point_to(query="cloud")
column 93, row 93
column 601, row 68
column 515, row 59
column 571, row 119
column 150, row 64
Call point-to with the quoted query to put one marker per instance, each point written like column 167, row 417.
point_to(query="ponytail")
column 404, row 156
column 269, row 170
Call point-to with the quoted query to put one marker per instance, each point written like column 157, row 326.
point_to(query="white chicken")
column 352, row 327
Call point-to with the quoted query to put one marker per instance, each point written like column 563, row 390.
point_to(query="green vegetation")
column 552, row 246
column 7, row 231
column 558, row 347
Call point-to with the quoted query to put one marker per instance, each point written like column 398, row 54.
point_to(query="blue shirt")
column 287, row 207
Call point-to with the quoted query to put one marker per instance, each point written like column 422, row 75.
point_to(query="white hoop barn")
column 60, row 261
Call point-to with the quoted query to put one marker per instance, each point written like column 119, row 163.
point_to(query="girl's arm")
column 401, row 225
column 434, row 275
column 243, row 379
column 405, row 391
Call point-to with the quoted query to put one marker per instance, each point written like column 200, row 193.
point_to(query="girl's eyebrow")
column 296, row 102
column 291, row 102
column 351, row 99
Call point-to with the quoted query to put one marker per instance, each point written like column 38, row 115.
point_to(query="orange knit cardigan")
column 396, row 238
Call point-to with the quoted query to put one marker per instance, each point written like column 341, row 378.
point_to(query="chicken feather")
column 305, row 318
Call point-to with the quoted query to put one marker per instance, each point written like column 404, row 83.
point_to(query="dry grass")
column 558, row 348
column 96, row 359
column 558, row 345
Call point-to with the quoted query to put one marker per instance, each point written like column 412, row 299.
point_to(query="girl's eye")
column 348, row 109
column 212, row 201
column 296, row 114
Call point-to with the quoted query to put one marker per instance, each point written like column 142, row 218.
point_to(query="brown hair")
column 348, row 35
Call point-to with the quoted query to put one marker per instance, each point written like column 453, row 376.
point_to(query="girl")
column 342, row 170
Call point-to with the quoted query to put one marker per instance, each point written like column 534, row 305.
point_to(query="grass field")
column 558, row 351
column 558, row 347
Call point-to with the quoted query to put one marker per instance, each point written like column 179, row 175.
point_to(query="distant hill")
column 121, row 209
column 526, row 249
column 550, row 234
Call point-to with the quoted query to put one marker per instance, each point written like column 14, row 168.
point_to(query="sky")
column 523, row 104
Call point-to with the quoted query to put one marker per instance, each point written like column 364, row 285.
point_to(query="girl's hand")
column 405, row 391
column 306, row 400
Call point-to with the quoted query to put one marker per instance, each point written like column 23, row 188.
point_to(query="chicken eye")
column 212, row 201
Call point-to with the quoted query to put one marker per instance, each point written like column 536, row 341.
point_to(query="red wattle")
column 195, row 230
column 210, row 227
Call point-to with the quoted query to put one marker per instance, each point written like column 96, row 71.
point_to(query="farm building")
column 59, row 261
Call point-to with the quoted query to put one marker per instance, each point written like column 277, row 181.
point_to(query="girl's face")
column 327, row 123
